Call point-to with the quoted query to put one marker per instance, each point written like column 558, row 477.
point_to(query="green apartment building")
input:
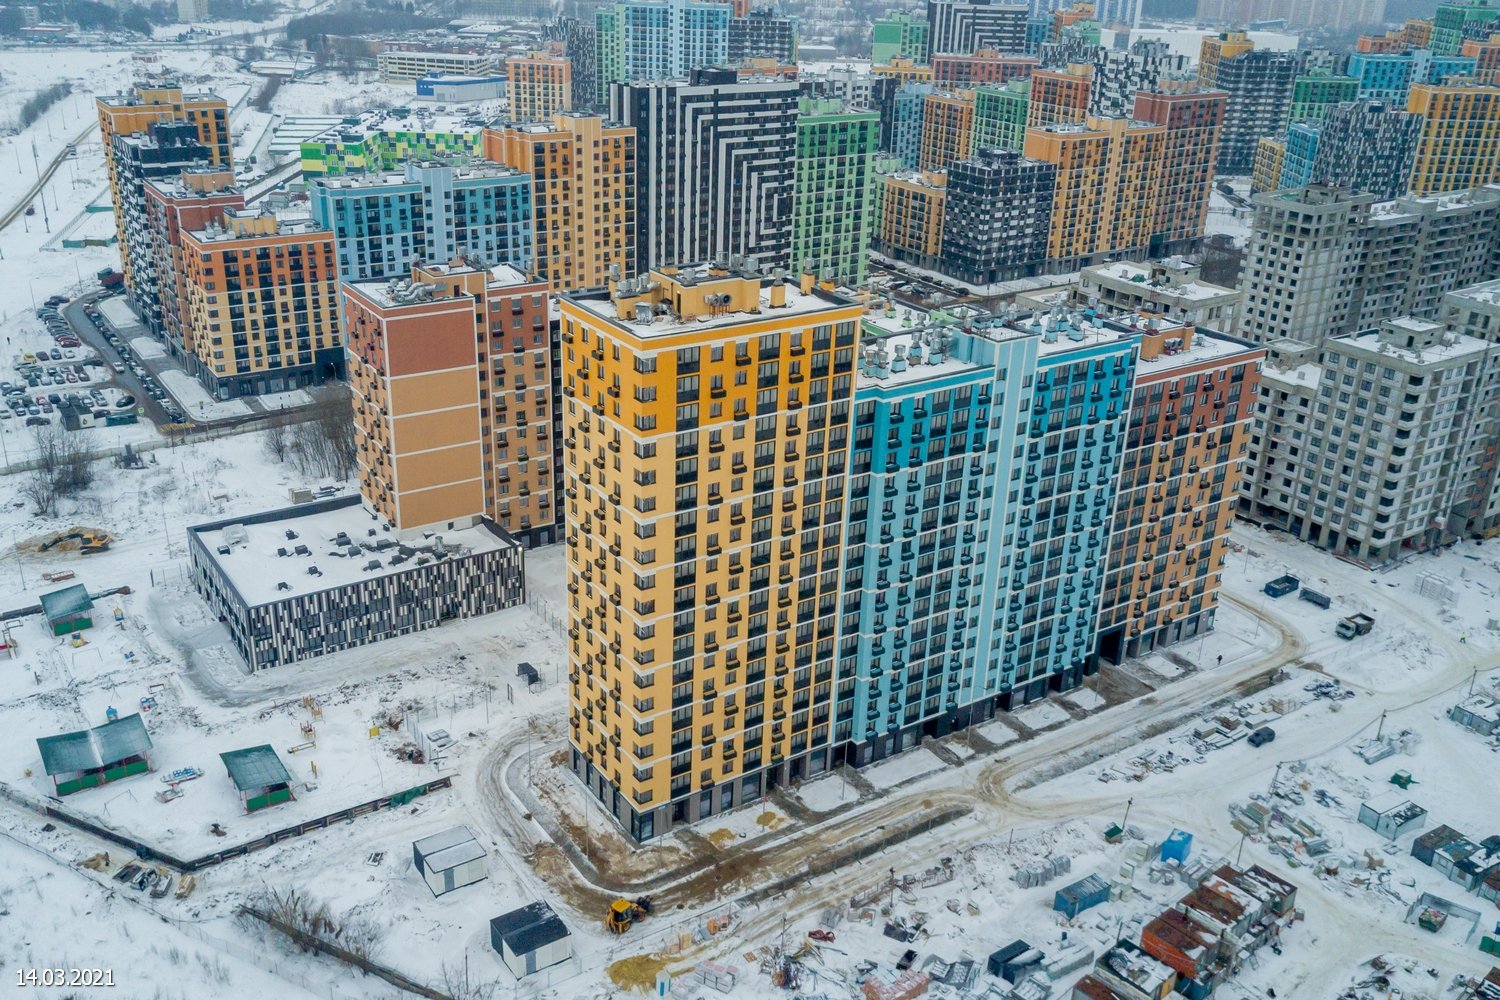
column 1454, row 22
column 1000, row 116
column 832, row 215
column 385, row 140
column 1312, row 96
column 899, row 35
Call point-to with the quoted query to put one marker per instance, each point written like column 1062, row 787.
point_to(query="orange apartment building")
column 954, row 70
column 1059, row 96
column 1487, row 58
column 583, row 194
column 903, row 70
column 262, row 304
column 1459, row 145
column 1194, row 120
column 175, row 206
column 1109, row 174
column 1190, row 421
column 1217, row 48
column 1065, row 16
column 541, row 84
column 451, row 377
column 707, row 443
column 947, row 129
column 910, row 227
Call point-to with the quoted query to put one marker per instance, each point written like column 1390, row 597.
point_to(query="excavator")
column 623, row 914
column 88, row 541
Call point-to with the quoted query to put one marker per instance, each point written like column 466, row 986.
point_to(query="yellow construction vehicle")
column 623, row 914
column 88, row 541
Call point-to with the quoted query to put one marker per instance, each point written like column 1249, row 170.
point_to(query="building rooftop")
column 1397, row 806
column 1485, row 293
column 337, row 547
column 1414, row 341
column 91, row 749
column 357, row 128
column 1167, row 284
column 462, row 171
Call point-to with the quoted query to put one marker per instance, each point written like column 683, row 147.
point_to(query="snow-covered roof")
column 267, row 566
column 448, row 849
column 91, row 749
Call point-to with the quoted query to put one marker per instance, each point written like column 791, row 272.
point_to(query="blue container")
column 1074, row 899
column 1177, row 847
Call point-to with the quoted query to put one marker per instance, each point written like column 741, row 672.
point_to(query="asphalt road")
column 41, row 182
column 90, row 335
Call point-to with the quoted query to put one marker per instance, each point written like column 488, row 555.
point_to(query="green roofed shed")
column 259, row 776
column 68, row 610
column 90, row 757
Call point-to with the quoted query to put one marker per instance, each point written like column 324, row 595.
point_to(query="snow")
column 144, row 346
column 903, row 768
column 195, row 399
column 827, row 794
column 1041, row 715
column 117, row 312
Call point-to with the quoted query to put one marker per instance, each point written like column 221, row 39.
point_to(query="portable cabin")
column 449, row 860
column 1392, row 815
column 1072, row 900
column 530, row 939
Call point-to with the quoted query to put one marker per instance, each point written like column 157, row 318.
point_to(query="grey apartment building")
column 996, row 217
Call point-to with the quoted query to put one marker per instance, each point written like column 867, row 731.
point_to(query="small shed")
column 1477, row 713
column 449, row 860
column 528, row 673
column 1177, row 847
column 259, row 776
column 1002, row 956
column 1425, row 847
column 68, row 610
column 1391, row 815
column 91, row 757
column 1072, row 900
column 530, row 939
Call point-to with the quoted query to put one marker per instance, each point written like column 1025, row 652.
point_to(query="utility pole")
column 1380, row 728
column 1128, row 803
column 1275, row 778
column 1472, row 678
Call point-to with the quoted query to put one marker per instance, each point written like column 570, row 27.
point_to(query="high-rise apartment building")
column 1000, row 115
column 1368, row 146
column 1118, row 74
column 583, row 194
column 903, row 70
column 947, row 129
column 174, row 205
column 1459, row 145
column 1270, row 163
column 540, row 85
column 912, row 209
column 899, row 34
column 1193, row 118
column 1312, row 95
column 641, row 40
column 1191, row 413
column 1389, row 76
column 997, row 216
column 1300, row 155
column 1419, row 249
column 134, row 112
column 762, row 34
column 959, row 70
column 832, row 192
column 1109, row 173
column 714, row 167
column 1371, row 450
column 1059, row 97
column 1320, row 231
column 1486, row 56
column 451, row 376
column 969, row 25
column 1456, row 21
column 705, row 573
column 579, row 39
column 908, row 114
column 165, row 149
column 262, row 301
column 383, row 222
column 1259, row 84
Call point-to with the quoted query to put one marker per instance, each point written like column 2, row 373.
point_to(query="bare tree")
column 61, row 468
column 278, row 440
column 458, row 984
column 323, row 446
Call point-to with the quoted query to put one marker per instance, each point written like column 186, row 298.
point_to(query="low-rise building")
column 1173, row 287
column 400, row 66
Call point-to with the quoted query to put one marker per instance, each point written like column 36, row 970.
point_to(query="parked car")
column 35, row 421
column 1262, row 736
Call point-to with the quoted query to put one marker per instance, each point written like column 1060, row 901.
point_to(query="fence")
column 149, row 853
column 312, row 942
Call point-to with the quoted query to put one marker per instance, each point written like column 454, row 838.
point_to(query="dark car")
column 57, row 300
column 37, row 421
column 1262, row 736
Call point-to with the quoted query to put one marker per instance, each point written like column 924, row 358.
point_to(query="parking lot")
column 87, row 322
column 64, row 382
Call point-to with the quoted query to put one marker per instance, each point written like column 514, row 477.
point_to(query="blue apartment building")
column 1388, row 76
column 984, row 465
column 382, row 222
column 1301, row 152
column 906, row 123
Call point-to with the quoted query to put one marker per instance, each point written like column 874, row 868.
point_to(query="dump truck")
column 1354, row 625
column 623, row 914
column 1282, row 585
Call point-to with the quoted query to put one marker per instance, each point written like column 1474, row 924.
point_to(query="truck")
column 1282, row 585
column 110, row 278
column 1354, row 625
